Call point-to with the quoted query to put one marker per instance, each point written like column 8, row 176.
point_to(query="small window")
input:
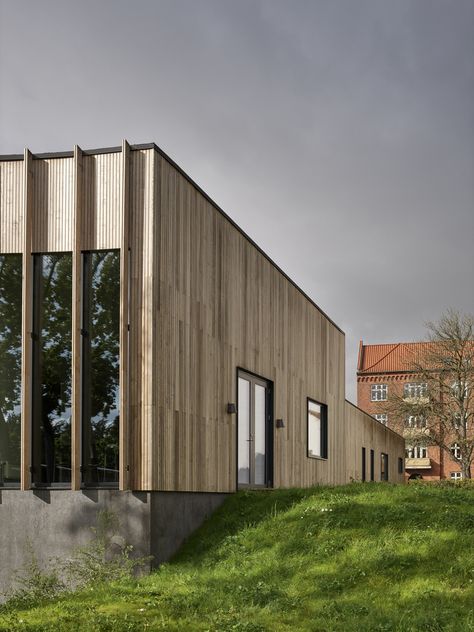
column 414, row 390
column 383, row 418
column 400, row 465
column 460, row 389
column 378, row 392
column 363, row 465
column 317, row 430
column 415, row 421
column 456, row 451
column 456, row 476
column 372, row 465
column 384, row 467
column 458, row 422
column 417, row 452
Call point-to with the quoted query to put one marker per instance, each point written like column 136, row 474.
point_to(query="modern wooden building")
column 149, row 345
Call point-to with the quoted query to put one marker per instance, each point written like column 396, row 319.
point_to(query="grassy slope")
column 355, row 558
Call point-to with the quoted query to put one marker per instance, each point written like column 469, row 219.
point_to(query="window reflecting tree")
column 10, row 368
column 52, row 369
column 101, row 346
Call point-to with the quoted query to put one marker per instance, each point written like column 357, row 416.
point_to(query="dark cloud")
column 339, row 134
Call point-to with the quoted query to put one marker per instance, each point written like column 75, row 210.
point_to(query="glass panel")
column 100, row 367
column 259, row 435
column 244, row 432
column 10, row 368
column 52, row 369
column 314, row 429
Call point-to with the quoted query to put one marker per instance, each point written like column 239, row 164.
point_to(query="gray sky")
column 338, row 133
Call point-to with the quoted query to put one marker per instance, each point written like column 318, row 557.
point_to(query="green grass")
column 352, row 559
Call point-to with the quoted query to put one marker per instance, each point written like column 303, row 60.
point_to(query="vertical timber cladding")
column 77, row 203
column 11, row 206
column 364, row 431
column 223, row 305
column 201, row 301
column 109, row 203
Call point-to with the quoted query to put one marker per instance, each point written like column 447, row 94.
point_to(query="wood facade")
column 199, row 300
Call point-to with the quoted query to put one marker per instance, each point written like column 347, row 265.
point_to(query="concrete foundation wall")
column 53, row 523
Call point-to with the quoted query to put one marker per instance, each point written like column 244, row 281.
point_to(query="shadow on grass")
column 355, row 507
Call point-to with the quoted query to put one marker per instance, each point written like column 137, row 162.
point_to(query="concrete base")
column 55, row 522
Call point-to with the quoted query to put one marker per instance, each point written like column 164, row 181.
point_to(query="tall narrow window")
column 364, row 476
column 372, row 465
column 384, row 467
column 100, row 367
column 51, row 413
column 10, row 369
column 317, row 430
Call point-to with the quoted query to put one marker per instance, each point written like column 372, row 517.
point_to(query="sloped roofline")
column 391, row 347
column 111, row 150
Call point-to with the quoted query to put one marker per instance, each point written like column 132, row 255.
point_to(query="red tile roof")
column 390, row 358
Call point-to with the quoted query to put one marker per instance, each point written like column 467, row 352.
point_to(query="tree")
column 442, row 405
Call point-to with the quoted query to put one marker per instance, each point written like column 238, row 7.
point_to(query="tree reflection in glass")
column 52, row 369
column 10, row 368
column 100, row 367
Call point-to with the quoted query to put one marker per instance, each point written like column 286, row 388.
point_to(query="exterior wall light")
column 280, row 423
column 231, row 409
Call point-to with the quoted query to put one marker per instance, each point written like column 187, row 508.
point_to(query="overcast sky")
column 338, row 133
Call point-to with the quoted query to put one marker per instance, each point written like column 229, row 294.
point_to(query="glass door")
column 254, row 432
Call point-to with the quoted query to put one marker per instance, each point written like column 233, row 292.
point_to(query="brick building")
column 384, row 370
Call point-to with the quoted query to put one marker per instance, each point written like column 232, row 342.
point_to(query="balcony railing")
column 418, row 464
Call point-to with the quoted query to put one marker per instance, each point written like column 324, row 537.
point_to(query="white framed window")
column 457, row 421
column 383, row 418
column 416, row 452
column 415, row 421
column 415, row 389
column 378, row 392
column 456, row 451
column 458, row 387
column 456, row 476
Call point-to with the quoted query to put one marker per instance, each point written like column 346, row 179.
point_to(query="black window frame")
column 384, row 466
column 7, row 483
column 324, row 430
column 372, row 466
column 400, row 465
column 364, row 464
column 34, row 420
column 87, row 480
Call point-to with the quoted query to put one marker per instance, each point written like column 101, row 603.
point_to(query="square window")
column 415, row 421
column 317, row 430
column 383, row 418
column 416, row 452
column 415, row 390
column 456, row 476
column 378, row 392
